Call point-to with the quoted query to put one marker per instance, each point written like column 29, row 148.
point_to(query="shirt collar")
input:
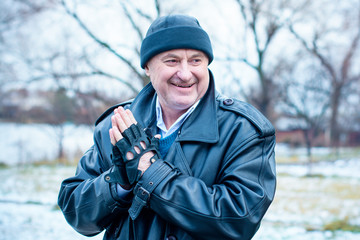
column 160, row 121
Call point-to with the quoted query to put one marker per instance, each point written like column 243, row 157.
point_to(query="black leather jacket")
column 216, row 182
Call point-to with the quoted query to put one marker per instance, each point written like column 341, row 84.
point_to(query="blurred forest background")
column 297, row 61
column 63, row 62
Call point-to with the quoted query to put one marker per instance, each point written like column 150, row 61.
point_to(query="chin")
column 184, row 105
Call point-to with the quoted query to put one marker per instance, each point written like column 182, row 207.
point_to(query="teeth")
column 183, row 86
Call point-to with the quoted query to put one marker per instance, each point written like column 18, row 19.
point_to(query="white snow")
column 27, row 143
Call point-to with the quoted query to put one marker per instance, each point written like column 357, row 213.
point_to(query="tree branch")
column 103, row 44
column 130, row 18
column 315, row 52
column 348, row 57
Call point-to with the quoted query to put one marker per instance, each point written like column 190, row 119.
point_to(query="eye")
column 196, row 61
column 171, row 61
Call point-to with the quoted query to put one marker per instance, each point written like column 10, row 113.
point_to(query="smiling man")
column 180, row 161
column 180, row 78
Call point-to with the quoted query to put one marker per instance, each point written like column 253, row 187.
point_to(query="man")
column 211, row 175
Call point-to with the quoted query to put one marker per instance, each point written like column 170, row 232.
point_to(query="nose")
column 184, row 72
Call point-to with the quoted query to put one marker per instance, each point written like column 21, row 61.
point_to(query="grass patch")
column 341, row 224
column 312, row 175
column 56, row 208
column 56, row 162
column 294, row 156
column 34, row 202
column 3, row 165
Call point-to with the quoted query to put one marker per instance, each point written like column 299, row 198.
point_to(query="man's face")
column 180, row 78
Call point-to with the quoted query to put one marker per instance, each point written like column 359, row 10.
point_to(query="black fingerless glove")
column 126, row 171
column 118, row 173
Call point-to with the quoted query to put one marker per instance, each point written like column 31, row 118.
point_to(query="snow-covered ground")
column 303, row 205
column 28, row 204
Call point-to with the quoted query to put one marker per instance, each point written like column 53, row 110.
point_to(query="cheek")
column 161, row 77
column 159, row 82
column 203, row 88
column 204, row 80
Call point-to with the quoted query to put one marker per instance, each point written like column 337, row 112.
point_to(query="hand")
column 121, row 121
column 136, row 147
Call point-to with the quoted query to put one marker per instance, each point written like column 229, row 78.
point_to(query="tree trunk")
column 61, row 153
column 334, row 128
column 308, row 141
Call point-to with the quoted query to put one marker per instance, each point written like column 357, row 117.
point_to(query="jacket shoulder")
column 111, row 109
column 249, row 112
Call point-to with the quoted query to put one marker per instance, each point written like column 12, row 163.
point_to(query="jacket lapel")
column 143, row 107
column 202, row 125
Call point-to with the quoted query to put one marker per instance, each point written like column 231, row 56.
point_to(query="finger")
column 125, row 117
column 118, row 108
column 116, row 112
column 115, row 130
column 158, row 136
column 143, row 145
column 131, row 116
column 137, row 149
column 112, row 137
column 120, row 122
column 129, row 155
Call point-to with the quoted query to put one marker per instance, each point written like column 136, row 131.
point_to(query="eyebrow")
column 172, row 55
column 200, row 54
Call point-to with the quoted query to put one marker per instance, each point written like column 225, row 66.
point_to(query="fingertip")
column 131, row 116
column 112, row 138
column 128, row 112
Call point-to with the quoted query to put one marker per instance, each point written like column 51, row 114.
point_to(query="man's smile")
column 183, row 85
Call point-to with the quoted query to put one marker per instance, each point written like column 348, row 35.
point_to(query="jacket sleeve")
column 230, row 209
column 87, row 201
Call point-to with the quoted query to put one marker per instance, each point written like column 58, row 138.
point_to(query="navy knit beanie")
column 174, row 32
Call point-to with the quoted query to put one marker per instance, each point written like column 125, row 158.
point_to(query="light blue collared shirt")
column 160, row 121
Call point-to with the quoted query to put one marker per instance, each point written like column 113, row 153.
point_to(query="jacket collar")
column 201, row 125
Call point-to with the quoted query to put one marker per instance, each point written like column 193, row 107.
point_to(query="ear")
column 147, row 70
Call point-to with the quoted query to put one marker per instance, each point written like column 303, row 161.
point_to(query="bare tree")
column 44, row 60
column 263, row 22
column 337, row 59
column 12, row 15
column 305, row 101
column 251, row 12
column 132, row 13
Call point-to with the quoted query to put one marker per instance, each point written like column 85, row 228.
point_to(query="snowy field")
column 27, row 143
column 303, row 209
